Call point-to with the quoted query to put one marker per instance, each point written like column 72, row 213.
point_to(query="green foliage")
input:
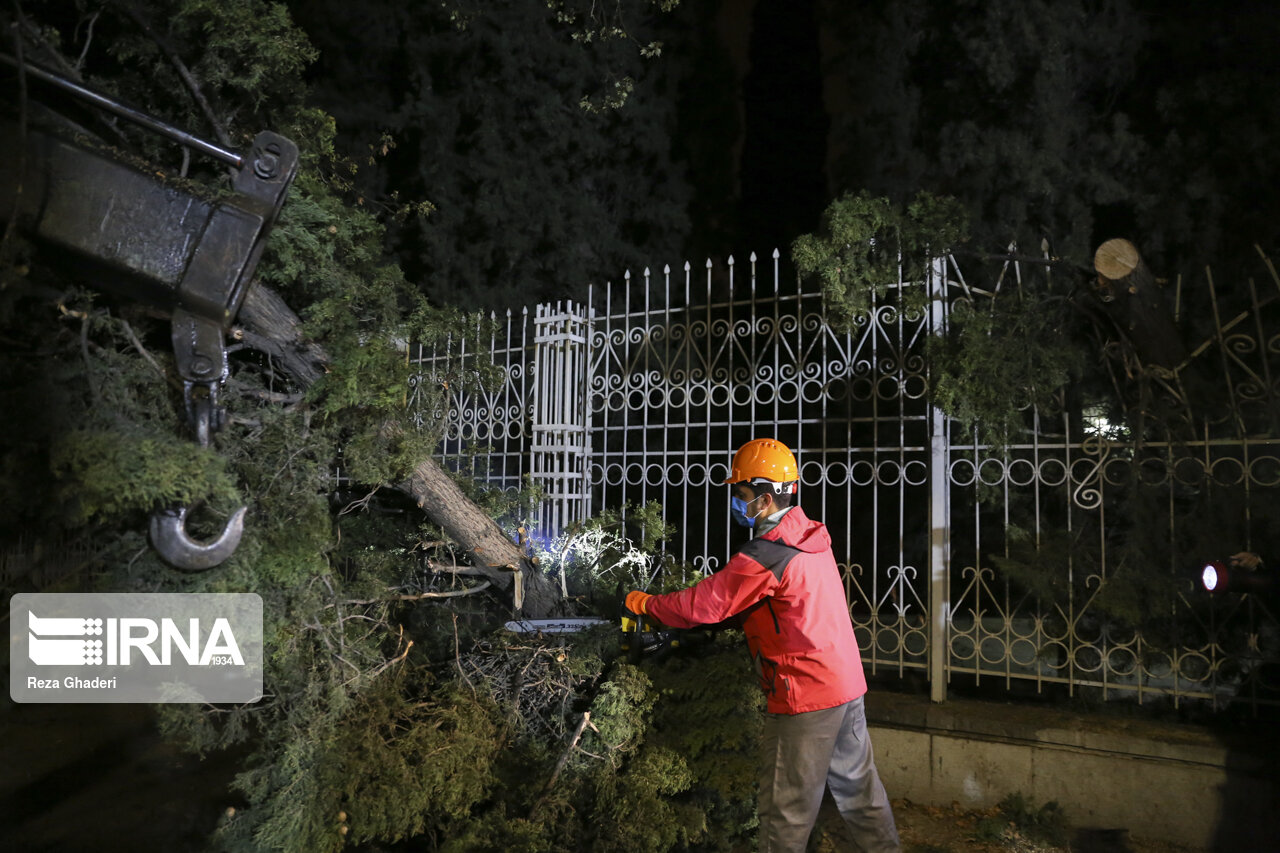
column 106, row 476
column 866, row 242
column 528, row 126
column 370, row 731
column 1010, row 107
column 1041, row 568
column 1065, row 120
column 1058, row 125
column 512, row 509
column 667, row 762
column 1063, row 568
column 1138, row 574
column 1000, row 357
column 638, row 815
column 711, row 712
column 245, row 57
column 371, row 723
column 355, row 718
column 84, row 417
column 678, row 739
column 252, row 52
column 396, row 767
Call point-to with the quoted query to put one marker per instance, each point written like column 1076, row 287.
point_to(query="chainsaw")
column 640, row 637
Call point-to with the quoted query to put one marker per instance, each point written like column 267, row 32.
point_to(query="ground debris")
column 955, row 829
column 539, row 681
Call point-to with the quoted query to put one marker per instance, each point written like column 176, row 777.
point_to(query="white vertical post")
column 560, row 442
column 939, row 506
column 588, row 377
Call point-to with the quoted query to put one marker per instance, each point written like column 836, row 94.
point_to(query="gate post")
column 561, row 442
column 939, row 505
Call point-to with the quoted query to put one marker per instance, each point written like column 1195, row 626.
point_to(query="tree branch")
column 188, row 79
column 271, row 326
column 564, row 759
column 480, row 587
column 265, row 395
column 137, row 344
column 454, row 570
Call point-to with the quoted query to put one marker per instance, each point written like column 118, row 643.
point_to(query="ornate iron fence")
column 1018, row 567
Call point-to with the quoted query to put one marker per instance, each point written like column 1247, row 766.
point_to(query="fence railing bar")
column 856, row 409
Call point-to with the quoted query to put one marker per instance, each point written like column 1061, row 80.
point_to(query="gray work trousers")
column 804, row 754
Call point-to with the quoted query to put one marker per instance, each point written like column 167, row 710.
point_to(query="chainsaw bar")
column 553, row 626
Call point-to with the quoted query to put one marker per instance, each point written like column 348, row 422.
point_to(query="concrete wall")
column 1158, row 781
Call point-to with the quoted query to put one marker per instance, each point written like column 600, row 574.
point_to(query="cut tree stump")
column 1132, row 298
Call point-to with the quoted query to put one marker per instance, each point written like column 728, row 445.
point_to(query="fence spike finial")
column 776, row 254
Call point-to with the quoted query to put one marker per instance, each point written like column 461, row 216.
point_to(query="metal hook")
column 168, row 526
column 169, row 538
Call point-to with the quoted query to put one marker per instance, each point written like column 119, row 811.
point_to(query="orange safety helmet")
column 763, row 459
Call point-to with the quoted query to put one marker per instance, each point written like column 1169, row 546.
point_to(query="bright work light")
column 1220, row 576
column 1211, row 575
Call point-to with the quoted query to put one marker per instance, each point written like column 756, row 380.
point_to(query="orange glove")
column 637, row 601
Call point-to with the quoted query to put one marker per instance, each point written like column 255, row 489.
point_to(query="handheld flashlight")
column 1219, row 576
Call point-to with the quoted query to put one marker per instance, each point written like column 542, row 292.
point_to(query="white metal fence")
column 643, row 393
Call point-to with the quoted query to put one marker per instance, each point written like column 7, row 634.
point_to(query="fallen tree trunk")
column 1131, row 296
column 269, row 325
column 492, row 553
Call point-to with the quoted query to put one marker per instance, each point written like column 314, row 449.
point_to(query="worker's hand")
column 637, row 602
column 1247, row 560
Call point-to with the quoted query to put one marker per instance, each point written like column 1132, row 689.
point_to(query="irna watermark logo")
column 135, row 647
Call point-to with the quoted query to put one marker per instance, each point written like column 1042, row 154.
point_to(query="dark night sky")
column 783, row 180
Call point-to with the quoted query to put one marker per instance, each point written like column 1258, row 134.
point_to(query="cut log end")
column 1116, row 259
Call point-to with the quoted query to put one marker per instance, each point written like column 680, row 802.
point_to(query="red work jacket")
column 786, row 591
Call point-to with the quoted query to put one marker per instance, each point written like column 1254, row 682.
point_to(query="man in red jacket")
column 785, row 590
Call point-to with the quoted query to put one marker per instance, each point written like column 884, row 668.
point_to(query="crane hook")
column 170, row 539
column 169, row 526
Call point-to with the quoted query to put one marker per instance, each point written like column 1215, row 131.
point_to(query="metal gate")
column 643, row 393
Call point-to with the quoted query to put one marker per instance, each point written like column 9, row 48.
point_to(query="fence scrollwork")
column 615, row 403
